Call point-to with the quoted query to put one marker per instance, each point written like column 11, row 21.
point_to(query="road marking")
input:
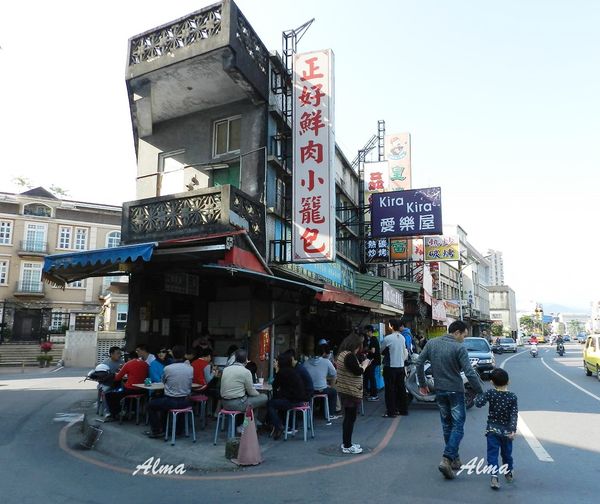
column 533, row 442
column 62, row 442
column 569, row 381
column 70, row 418
column 525, row 431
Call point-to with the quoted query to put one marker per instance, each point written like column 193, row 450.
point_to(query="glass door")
column 35, row 238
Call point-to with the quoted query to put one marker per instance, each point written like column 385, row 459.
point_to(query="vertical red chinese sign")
column 313, row 231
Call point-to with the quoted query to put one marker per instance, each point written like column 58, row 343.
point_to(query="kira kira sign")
column 414, row 212
column 313, row 192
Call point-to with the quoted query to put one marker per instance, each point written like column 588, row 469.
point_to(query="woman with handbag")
column 350, row 387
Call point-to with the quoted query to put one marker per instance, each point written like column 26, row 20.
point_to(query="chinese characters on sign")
column 314, row 155
column 441, row 248
column 377, row 250
column 400, row 250
column 397, row 152
column 415, row 212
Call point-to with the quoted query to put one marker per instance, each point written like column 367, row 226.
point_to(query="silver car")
column 508, row 345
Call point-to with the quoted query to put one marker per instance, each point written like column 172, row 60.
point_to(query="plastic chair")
column 231, row 414
column 325, row 406
column 306, row 411
column 138, row 403
column 202, row 400
column 188, row 414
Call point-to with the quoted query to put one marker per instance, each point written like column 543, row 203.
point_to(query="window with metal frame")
column 113, row 239
column 81, row 239
column 4, row 272
column 122, row 309
column 65, row 234
column 227, row 136
column 6, row 228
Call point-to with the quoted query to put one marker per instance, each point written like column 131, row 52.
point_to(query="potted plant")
column 44, row 360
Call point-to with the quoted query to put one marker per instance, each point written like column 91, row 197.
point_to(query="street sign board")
column 414, row 212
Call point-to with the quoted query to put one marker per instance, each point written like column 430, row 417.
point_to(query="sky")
column 500, row 98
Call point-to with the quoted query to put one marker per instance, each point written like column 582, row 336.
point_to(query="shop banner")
column 397, row 152
column 313, row 192
column 441, row 248
column 438, row 310
column 414, row 212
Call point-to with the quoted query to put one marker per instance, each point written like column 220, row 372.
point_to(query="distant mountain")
column 556, row 308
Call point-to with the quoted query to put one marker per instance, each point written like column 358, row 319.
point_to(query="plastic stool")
column 326, row 404
column 221, row 416
column 138, row 402
column 202, row 400
column 188, row 414
column 306, row 420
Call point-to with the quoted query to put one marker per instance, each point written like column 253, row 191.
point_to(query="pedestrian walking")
column 501, row 426
column 448, row 357
column 394, row 355
column 350, row 387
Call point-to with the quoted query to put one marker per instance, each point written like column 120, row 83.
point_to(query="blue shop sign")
column 336, row 273
column 413, row 212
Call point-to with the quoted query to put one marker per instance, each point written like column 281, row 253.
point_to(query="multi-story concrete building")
column 503, row 308
column 207, row 242
column 496, row 267
column 34, row 224
column 465, row 282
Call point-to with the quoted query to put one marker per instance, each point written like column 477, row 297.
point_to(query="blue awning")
column 70, row 267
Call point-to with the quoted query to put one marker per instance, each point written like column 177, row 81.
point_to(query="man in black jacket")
column 371, row 345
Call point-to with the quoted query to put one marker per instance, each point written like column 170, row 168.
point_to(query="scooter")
column 560, row 349
column 412, row 387
column 533, row 351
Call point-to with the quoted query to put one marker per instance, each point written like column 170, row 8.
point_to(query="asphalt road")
column 561, row 420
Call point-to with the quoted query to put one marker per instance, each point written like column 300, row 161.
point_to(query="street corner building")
column 207, row 246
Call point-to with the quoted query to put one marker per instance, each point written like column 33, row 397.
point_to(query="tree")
column 574, row 327
column 59, row 191
column 527, row 323
column 497, row 329
column 23, row 182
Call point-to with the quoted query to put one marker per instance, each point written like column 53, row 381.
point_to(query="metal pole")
column 460, row 289
column 3, row 318
column 272, row 346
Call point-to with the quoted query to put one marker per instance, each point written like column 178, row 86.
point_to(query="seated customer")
column 320, row 369
column 114, row 363
column 203, row 372
column 136, row 371
column 306, row 378
column 177, row 378
column 237, row 390
column 288, row 391
column 158, row 365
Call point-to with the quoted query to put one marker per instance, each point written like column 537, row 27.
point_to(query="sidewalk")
column 125, row 446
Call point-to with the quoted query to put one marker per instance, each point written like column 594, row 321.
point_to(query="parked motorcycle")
column 533, row 351
column 560, row 349
column 412, row 387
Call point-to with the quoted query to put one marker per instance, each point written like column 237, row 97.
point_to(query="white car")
column 508, row 345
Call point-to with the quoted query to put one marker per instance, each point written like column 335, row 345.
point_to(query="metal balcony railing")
column 35, row 246
column 30, row 287
column 280, row 251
